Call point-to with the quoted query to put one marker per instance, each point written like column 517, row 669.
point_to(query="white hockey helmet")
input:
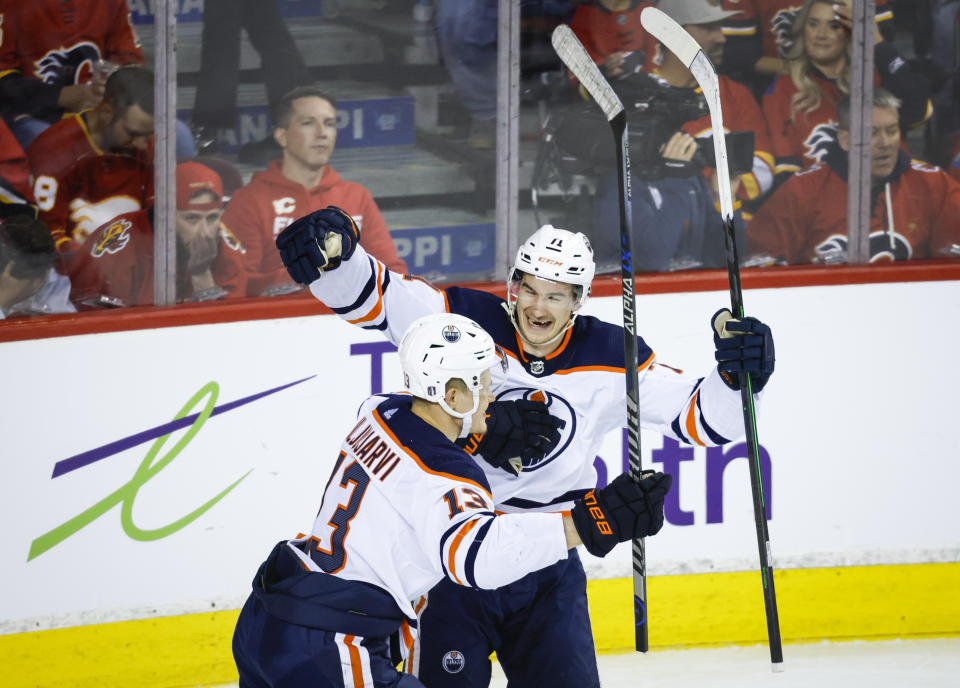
column 554, row 254
column 441, row 347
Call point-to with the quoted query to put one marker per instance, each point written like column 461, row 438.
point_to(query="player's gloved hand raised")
column 622, row 511
column 517, row 431
column 318, row 242
column 742, row 346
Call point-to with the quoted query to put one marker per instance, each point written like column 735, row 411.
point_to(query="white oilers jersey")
column 582, row 382
column 405, row 507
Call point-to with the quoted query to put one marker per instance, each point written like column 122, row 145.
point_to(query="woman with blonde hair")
column 800, row 107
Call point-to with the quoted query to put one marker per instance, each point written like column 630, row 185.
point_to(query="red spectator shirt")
column 78, row 187
column 773, row 19
column 800, row 139
column 14, row 169
column 116, row 262
column 57, row 41
column 258, row 212
column 603, row 32
column 806, row 219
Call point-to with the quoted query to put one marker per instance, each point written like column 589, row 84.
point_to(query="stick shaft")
column 707, row 78
column 631, row 365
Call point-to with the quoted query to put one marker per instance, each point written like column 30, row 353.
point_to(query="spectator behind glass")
column 16, row 197
column 305, row 126
column 704, row 21
column 675, row 213
column 114, row 266
column 761, row 34
column 94, row 166
column 915, row 207
column 800, row 107
column 611, row 32
column 28, row 283
column 50, row 53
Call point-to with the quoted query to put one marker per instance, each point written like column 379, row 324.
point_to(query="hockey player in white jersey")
column 405, row 507
column 574, row 364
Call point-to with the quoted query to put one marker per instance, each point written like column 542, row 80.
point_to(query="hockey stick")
column 683, row 45
column 575, row 57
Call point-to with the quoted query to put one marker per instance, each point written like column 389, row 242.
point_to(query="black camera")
column 655, row 112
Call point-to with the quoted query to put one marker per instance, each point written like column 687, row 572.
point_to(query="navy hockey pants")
column 539, row 626
column 271, row 653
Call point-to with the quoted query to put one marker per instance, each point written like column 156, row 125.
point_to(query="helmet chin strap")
column 466, row 416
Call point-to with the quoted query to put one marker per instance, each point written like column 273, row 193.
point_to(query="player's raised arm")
column 322, row 250
column 706, row 412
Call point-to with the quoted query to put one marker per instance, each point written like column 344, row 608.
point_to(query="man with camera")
column 675, row 202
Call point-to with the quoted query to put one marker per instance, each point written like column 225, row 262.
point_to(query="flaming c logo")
column 68, row 66
column 113, row 239
column 820, row 140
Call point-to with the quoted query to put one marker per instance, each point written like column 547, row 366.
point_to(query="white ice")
column 933, row 663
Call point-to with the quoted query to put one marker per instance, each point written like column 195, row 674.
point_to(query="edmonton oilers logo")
column 453, row 662
column 558, row 407
column 451, row 334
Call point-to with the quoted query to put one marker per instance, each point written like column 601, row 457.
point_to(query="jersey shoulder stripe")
column 487, row 310
column 597, row 344
column 426, row 445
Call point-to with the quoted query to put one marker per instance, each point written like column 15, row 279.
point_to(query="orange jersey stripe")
column 451, row 560
column 412, row 455
column 692, row 422
column 355, row 665
column 379, row 307
column 609, row 369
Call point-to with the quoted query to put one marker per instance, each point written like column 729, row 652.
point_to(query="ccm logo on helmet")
column 549, row 261
column 596, row 513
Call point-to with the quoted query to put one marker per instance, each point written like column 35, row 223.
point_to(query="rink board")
column 149, row 494
column 871, row 602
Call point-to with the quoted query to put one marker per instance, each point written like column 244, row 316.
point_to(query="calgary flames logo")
column 820, row 141
column 113, row 239
column 231, row 240
column 68, row 66
column 782, row 28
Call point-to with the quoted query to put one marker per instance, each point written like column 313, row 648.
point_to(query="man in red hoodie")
column 305, row 126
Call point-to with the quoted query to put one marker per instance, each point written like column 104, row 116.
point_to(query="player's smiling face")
column 543, row 310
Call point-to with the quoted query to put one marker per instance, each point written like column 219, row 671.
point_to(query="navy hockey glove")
column 742, row 346
column 305, row 248
column 621, row 511
column 519, row 429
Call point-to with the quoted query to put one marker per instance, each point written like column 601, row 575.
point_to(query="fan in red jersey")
column 761, row 35
column 94, row 166
column 800, row 107
column 114, row 266
column 54, row 55
column 915, row 207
